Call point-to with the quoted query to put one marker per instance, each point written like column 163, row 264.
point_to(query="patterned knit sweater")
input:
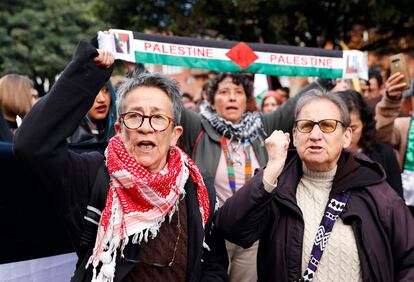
column 340, row 261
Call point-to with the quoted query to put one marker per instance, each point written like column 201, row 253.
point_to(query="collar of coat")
column 354, row 170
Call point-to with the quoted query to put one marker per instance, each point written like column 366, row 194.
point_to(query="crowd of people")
column 309, row 186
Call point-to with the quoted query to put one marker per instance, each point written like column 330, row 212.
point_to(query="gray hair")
column 171, row 88
column 315, row 94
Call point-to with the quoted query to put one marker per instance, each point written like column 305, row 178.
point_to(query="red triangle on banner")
column 242, row 55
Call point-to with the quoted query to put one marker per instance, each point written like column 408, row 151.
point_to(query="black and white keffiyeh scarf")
column 249, row 129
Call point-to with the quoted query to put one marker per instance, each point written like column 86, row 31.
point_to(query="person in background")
column 407, row 107
column 226, row 142
column 97, row 125
column 187, row 101
column 342, row 84
column 364, row 138
column 271, row 101
column 321, row 213
column 284, row 92
column 202, row 102
column 372, row 90
column 17, row 97
column 5, row 134
column 141, row 213
column 398, row 131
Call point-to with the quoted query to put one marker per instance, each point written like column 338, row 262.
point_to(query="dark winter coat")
column 71, row 178
column 382, row 224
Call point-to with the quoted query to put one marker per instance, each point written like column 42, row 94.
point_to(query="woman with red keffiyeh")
column 153, row 206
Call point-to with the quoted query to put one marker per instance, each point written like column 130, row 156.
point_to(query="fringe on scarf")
column 111, row 243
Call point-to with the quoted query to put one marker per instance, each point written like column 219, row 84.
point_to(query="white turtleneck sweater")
column 340, row 260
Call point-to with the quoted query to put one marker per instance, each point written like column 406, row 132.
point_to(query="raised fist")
column 105, row 59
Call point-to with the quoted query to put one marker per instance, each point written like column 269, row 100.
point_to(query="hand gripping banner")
column 229, row 56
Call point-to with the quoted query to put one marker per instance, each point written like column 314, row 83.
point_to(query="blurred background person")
column 187, row 101
column 271, row 101
column 372, row 90
column 201, row 101
column 342, row 84
column 364, row 139
column 398, row 131
column 17, row 97
column 407, row 103
column 97, row 126
column 5, row 134
column 284, row 92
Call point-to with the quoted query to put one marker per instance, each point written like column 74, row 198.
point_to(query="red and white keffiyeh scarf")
column 138, row 202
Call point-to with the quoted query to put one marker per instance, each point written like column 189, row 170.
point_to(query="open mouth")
column 146, row 145
column 315, row 148
column 101, row 109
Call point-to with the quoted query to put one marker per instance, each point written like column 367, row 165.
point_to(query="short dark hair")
column 356, row 103
column 187, row 95
column 237, row 78
column 375, row 73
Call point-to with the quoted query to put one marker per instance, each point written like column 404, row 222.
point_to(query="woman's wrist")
column 394, row 98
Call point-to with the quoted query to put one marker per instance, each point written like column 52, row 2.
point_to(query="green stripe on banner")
column 278, row 70
column 230, row 66
column 210, row 64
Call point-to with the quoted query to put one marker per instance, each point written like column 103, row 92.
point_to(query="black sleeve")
column 40, row 142
column 191, row 123
column 5, row 133
column 385, row 155
column 215, row 260
column 244, row 224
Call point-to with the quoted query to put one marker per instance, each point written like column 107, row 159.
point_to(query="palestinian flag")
column 229, row 56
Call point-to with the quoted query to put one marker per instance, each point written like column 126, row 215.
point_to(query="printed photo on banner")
column 356, row 63
column 121, row 41
column 118, row 41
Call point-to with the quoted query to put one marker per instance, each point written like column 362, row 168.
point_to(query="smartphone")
column 398, row 64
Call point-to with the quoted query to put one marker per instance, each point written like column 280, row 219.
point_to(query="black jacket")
column 70, row 178
column 381, row 222
column 5, row 132
column 385, row 155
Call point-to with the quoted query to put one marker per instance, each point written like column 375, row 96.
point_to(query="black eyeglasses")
column 326, row 125
column 134, row 120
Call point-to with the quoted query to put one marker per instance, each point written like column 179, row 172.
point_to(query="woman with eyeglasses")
column 364, row 138
column 227, row 143
column 322, row 213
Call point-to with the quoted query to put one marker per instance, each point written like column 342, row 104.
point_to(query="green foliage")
column 38, row 38
column 294, row 22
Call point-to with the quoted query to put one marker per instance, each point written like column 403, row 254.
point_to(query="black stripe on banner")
column 227, row 44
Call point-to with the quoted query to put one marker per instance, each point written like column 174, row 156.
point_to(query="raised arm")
column 245, row 215
column 388, row 109
column 191, row 123
column 40, row 142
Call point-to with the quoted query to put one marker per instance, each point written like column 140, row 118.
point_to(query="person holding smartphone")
column 398, row 131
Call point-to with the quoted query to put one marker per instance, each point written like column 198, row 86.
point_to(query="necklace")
column 236, row 160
